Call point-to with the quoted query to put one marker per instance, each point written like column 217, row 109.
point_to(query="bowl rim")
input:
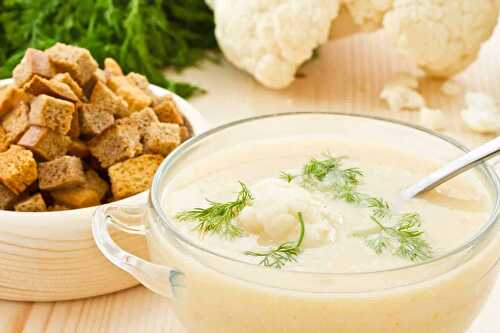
column 154, row 194
column 196, row 121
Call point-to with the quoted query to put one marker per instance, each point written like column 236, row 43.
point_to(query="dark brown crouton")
column 45, row 142
column 63, row 172
column 168, row 112
column 133, row 176
column 161, row 138
column 78, row 149
column 68, row 80
column 52, row 113
column 115, row 144
column 35, row 203
column 93, row 119
column 16, row 122
column 106, row 99
column 38, row 86
column 34, row 62
column 135, row 97
column 7, row 198
column 10, row 98
column 18, row 168
column 77, row 61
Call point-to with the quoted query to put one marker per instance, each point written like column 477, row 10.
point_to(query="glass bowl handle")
column 160, row 279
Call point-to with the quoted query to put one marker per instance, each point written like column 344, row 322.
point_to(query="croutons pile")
column 69, row 130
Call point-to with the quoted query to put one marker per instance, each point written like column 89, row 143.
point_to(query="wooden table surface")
column 347, row 77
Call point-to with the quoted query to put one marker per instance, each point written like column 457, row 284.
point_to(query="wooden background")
column 347, row 77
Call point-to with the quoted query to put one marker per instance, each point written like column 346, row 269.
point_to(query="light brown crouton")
column 63, row 172
column 74, row 129
column 184, row 132
column 45, row 142
column 141, row 82
column 15, row 122
column 76, row 197
column 77, row 61
column 10, row 98
column 38, row 85
column 135, row 97
column 51, row 112
column 133, row 176
column 93, row 119
column 96, row 183
column 141, row 120
column 7, row 198
column 103, row 97
column 35, row 203
column 117, row 143
column 34, row 62
column 4, row 140
column 58, row 207
column 168, row 112
column 111, row 67
column 78, row 149
column 72, row 84
column 18, row 169
column 161, row 138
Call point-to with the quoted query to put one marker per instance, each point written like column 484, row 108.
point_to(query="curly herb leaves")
column 143, row 36
column 283, row 254
column 217, row 217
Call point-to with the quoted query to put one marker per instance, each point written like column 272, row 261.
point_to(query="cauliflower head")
column 271, row 38
column 443, row 36
column 368, row 14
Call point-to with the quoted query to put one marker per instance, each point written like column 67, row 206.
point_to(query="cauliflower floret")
column 368, row 14
column 443, row 36
column 481, row 114
column 400, row 93
column 272, row 216
column 433, row 119
column 272, row 38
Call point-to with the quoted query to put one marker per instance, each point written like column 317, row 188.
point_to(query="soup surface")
column 346, row 195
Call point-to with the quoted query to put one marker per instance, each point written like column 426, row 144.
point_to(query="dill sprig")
column 217, row 218
column 283, row 254
column 287, row 176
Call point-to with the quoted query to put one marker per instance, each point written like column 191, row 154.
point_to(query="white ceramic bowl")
column 52, row 256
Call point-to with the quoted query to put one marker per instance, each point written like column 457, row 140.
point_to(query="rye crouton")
column 117, row 143
column 72, row 84
column 4, row 141
column 18, row 169
column 140, row 120
column 63, row 172
column 44, row 142
column 35, row 203
column 78, row 148
column 105, row 98
column 161, row 138
column 168, row 112
column 7, row 198
column 133, row 176
column 93, row 119
column 38, row 86
column 10, row 98
column 52, row 113
column 16, row 122
column 76, row 61
column 133, row 95
column 111, row 67
column 34, row 62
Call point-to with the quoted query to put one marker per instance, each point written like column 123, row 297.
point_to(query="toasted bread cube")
column 34, row 62
column 96, row 183
column 78, row 149
column 4, row 140
column 74, row 129
column 141, row 82
column 77, row 61
column 141, row 120
column 168, row 112
column 133, row 95
column 10, row 98
column 38, row 86
column 117, row 143
column 133, row 176
column 58, row 207
column 105, row 98
column 45, row 142
column 15, row 123
column 76, row 197
column 7, row 198
column 72, row 84
column 52, row 113
column 35, row 203
column 63, row 172
column 111, row 67
column 184, row 132
column 18, row 168
column 161, row 138
column 93, row 119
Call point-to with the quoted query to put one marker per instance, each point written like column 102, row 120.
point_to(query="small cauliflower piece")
column 271, row 39
column 432, row 119
column 443, row 37
column 399, row 97
column 482, row 114
column 277, row 222
column 368, row 14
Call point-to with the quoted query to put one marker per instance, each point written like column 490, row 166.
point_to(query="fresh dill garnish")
column 283, row 254
column 287, row 176
column 217, row 218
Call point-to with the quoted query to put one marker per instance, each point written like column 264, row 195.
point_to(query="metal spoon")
column 454, row 168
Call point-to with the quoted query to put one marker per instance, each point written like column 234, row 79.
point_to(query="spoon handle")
column 454, row 168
